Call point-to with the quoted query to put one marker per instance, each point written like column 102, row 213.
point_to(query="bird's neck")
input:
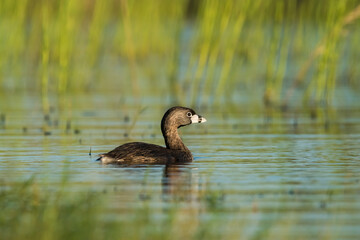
column 172, row 139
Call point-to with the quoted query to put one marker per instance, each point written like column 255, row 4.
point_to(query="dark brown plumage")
column 175, row 151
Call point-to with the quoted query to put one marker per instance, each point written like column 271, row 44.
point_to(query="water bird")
column 146, row 153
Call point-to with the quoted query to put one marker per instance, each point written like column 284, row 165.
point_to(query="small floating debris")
column 313, row 114
column 76, row 131
column 144, row 196
column 47, row 117
column 47, row 133
column 24, row 129
column 326, row 125
column 2, row 120
column 46, row 130
column 126, row 118
column 295, row 123
column 322, row 205
column 68, row 126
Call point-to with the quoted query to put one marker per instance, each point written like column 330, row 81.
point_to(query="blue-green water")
column 258, row 173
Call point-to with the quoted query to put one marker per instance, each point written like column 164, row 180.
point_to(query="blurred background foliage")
column 98, row 53
column 191, row 52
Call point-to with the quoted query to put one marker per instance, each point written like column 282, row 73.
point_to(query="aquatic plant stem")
column 130, row 51
column 337, row 31
column 45, row 58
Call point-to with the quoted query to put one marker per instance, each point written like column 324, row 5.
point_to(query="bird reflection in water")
column 179, row 183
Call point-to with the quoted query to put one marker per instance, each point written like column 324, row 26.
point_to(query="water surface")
column 257, row 173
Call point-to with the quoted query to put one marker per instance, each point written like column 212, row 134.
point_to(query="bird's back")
column 144, row 153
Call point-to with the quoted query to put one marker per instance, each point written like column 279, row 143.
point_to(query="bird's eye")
column 189, row 114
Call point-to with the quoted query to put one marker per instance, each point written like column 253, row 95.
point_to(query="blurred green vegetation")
column 204, row 51
column 34, row 210
column 38, row 209
column 193, row 52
